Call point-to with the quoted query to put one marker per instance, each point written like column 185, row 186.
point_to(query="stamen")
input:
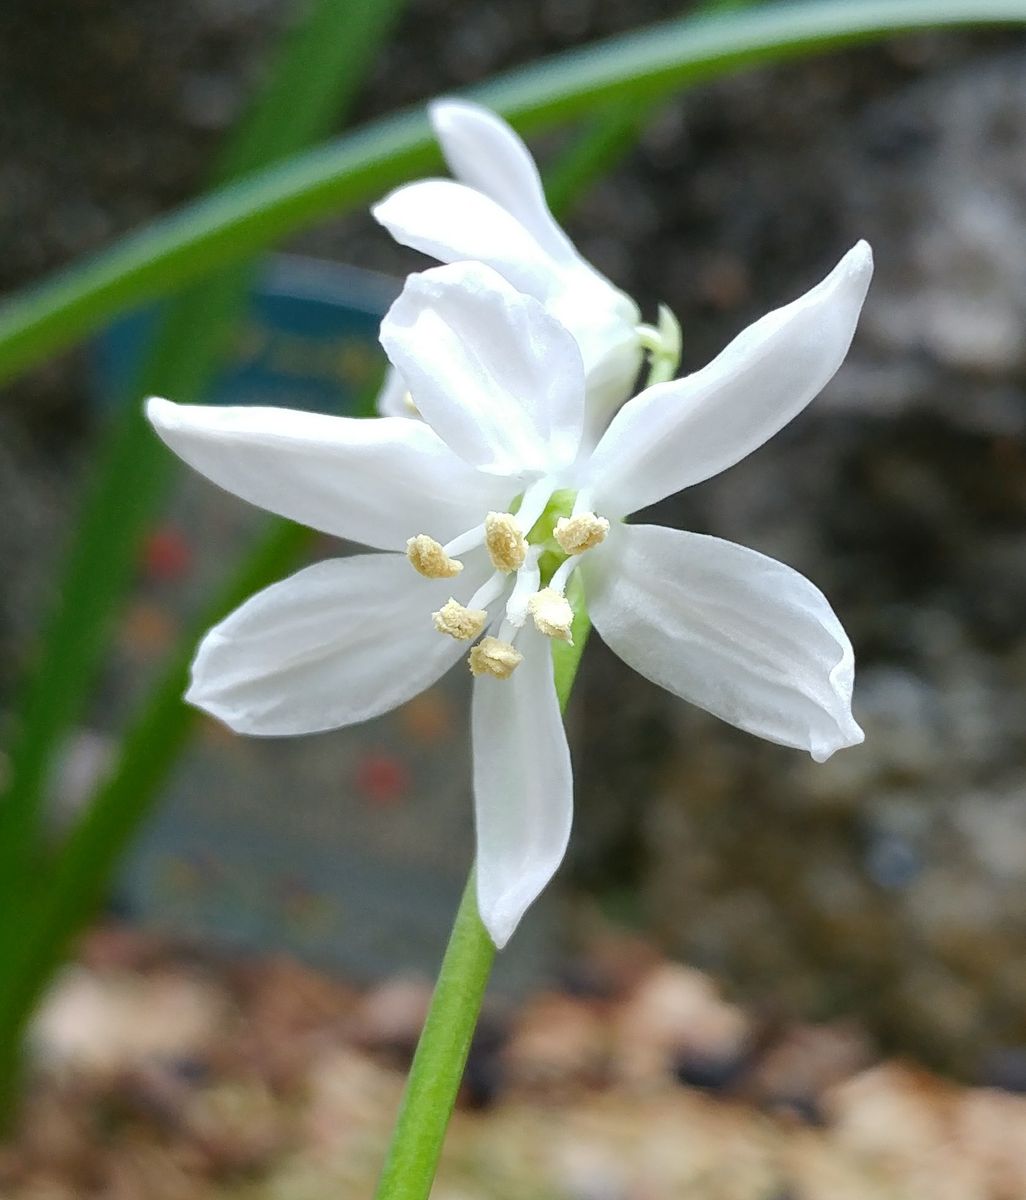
column 580, row 532
column 507, row 546
column 429, row 558
column 507, row 632
column 491, row 656
column 463, row 624
column 561, row 576
column 528, row 579
column 582, row 502
column 466, row 541
column 490, row 590
column 535, row 498
column 552, row 614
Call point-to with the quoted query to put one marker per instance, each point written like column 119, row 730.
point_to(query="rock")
column 676, row 1016
column 557, row 1040
column 116, row 1020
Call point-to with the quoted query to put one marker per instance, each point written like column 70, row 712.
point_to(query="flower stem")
column 437, row 1068
column 441, row 1055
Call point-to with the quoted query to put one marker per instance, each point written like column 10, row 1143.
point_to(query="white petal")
column 497, row 214
column 336, row 643
column 394, row 398
column 378, row 481
column 604, row 322
column 679, row 433
column 523, row 787
column 494, row 375
column 731, row 630
column 487, row 154
column 454, row 223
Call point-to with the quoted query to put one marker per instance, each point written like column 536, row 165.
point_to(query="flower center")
column 538, row 543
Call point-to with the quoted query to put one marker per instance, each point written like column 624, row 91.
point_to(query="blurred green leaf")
column 254, row 212
column 319, row 68
column 602, row 142
column 67, row 895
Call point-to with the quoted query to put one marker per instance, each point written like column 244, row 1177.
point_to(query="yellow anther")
column 430, row 559
column 507, row 546
column 458, row 622
column 493, row 657
column 552, row 614
column 580, row 533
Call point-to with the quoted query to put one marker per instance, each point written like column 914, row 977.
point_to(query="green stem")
column 437, row 1068
column 441, row 1055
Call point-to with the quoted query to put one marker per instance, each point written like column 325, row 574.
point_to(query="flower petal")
column 731, row 630
column 487, row 154
column 378, row 481
column 523, row 787
column 336, row 643
column 676, row 434
column 494, row 375
column 455, row 223
column 497, row 214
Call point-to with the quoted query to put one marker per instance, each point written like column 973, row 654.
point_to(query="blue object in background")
column 309, row 339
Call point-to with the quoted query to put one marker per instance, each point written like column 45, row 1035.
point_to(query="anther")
column 429, row 558
column 507, row 546
column 494, row 657
column 580, row 532
column 552, row 614
column 458, row 622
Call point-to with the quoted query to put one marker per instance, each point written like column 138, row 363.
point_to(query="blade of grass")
column 609, row 135
column 612, row 132
column 236, row 221
column 603, row 141
column 317, row 73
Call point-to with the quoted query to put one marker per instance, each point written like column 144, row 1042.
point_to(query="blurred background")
column 756, row 976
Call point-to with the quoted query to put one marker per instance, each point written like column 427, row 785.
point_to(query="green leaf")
column 317, row 73
column 68, row 894
column 252, row 213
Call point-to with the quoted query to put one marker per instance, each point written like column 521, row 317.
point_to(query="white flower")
column 497, row 214
column 501, row 387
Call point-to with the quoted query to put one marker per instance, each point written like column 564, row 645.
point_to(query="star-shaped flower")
column 495, row 212
column 485, row 510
